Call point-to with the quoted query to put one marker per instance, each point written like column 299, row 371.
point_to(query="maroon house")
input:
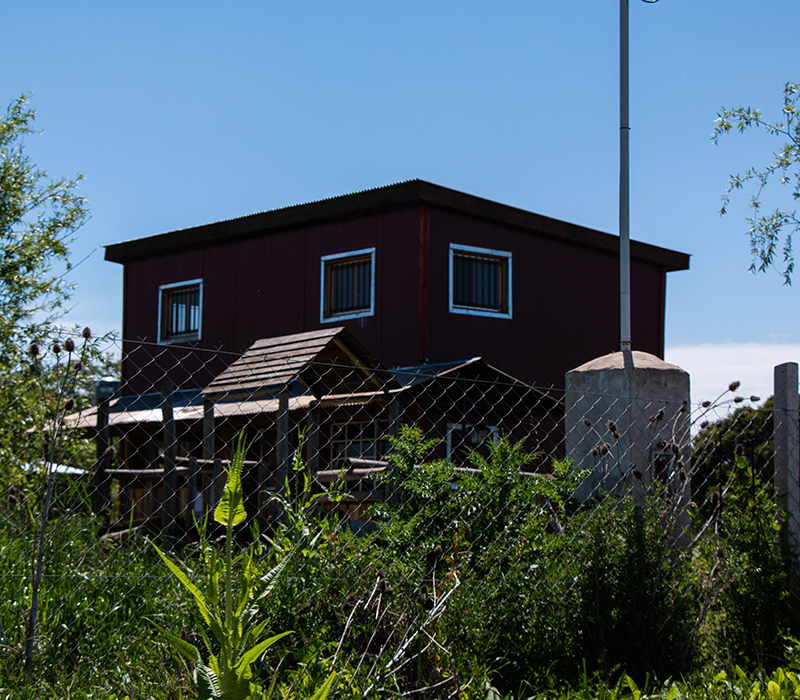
column 411, row 303
column 418, row 273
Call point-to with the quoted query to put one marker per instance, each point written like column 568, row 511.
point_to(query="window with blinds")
column 348, row 285
column 180, row 311
column 480, row 281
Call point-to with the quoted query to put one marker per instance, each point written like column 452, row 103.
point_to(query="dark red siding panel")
column 270, row 286
column 565, row 303
column 565, row 297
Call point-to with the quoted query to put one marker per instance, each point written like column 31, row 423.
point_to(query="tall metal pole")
column 624, row 184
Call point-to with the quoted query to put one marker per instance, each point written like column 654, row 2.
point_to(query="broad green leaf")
column 230, row 510
column 180, row 645
column 239, row 690
column 245, row 586
column 210, row 688
column 252, row 654
column 270, row 578
column 325, row 688
column 184, row 579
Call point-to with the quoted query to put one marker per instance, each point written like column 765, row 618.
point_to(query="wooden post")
column 312, row 460
column 787, row 448
column 209, row 448
column 194, row 490
column 169, row 444
column 389, row 487
column 262, row 475
column 282, row 447
column 210, row 495
column 216, row 483
column 102, row 487
column 282, row 441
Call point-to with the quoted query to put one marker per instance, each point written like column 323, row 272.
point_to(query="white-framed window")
column 180, row 311
column 364, row 439
column 347, row 285
column 480, row 281
column 462, row 438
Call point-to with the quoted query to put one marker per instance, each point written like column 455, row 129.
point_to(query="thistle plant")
column 229, row 614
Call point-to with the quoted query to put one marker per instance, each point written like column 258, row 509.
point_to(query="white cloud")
column 712, row 366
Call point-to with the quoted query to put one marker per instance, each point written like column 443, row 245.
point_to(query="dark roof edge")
column 400, row 195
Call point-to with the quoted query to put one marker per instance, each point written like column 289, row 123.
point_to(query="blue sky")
column 183, row 113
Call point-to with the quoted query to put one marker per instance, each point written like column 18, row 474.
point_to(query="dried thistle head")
column 705, row 404
column 733, row 386
column 755, row 399
column 684, row 407
column 78, row 366
column 69, row 345
column 87, row 333
column 658, row 416
column 636, row 474
column 612, row 426
column 34, row 350
column 587, row 422
column 69, row 404
column 595, row 451
column 56, row 348
column 738, row 399
column 704, row 425
column 675, row 448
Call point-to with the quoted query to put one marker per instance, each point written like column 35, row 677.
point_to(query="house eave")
column 391, row 197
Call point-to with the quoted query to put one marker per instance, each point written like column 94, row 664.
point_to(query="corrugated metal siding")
column 565, row 298
column 270, row 286
column 565, row 303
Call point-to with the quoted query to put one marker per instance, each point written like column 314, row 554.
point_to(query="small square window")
column 463, row 438
column 348, row 285
column 480, row 281
column 180, row 311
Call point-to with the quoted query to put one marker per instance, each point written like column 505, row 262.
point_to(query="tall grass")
column 499, row 588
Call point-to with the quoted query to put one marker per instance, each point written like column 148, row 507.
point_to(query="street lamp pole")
column 624, row 184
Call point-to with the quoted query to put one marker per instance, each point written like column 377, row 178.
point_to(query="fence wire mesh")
column 415, row 516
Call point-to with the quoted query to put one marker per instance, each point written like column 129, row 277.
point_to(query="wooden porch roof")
column 328, row 361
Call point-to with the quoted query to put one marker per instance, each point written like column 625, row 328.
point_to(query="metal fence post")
column 787, row 448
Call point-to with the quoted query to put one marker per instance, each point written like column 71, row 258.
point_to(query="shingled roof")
column 329, row 361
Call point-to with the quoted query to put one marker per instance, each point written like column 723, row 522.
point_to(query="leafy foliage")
column 766, row 230
column 747, row 431
column 478, row 583
column 227, row 673
column 37, row 219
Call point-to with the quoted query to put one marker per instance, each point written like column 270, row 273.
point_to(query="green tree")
column 769, row 232
column 38, row 217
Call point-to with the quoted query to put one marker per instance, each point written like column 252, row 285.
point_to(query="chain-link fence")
column 431, row 525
